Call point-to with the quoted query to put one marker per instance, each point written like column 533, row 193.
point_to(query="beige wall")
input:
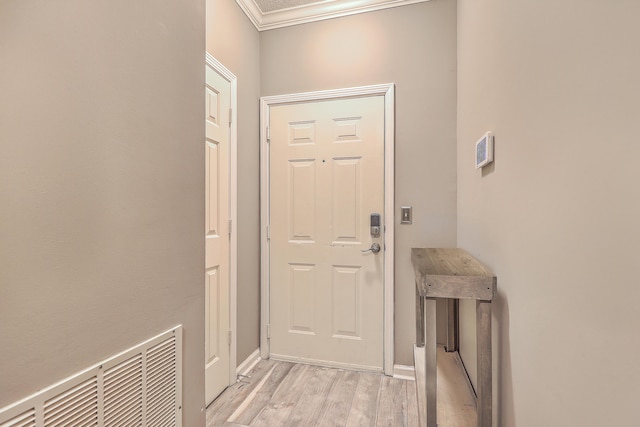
column 556, row 217
column 414, row 47
column 234, row 41
column 101, row 187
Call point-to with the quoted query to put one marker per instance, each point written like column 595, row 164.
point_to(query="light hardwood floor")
column 287, row 394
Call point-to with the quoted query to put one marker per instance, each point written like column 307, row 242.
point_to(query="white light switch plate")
column 406, row 215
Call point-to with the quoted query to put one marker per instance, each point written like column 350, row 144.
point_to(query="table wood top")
column 452, row 273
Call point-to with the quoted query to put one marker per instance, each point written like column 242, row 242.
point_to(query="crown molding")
column 314, row 12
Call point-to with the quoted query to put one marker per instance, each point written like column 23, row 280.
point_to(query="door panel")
column 326, row 178
column 346, row 315
column 302, row 196
column 346, row 193
column 217, row 355
column 301, row 292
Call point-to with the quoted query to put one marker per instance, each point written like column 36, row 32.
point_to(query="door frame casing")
column 233, row 212
column 388, row 91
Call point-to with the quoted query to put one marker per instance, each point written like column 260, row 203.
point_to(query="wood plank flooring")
column 287, row 394
column 456, row 406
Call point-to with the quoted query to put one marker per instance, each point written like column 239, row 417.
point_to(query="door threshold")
column 327, row 363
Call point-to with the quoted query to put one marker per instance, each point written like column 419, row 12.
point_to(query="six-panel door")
column 326, row 179
column 217, row 356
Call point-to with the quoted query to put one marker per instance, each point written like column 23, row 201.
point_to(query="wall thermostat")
column 484, row 150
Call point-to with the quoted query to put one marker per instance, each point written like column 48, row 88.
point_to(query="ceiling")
column 274, row 5
column 270, row 14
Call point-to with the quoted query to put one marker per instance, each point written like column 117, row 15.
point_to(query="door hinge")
column 229, row 337
column 230, row 116
column 268, row 332
column 268, row 134
column 268, row 233
column 230, row 226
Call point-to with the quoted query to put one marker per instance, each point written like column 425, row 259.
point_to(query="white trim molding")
column 249, row 363
column 388, row 91
column 233, row 212
column 404, row 372
column 314, row 12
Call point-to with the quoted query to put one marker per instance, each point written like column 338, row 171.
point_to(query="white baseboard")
column 249, row 363
column 404, row 372
column 324, row 363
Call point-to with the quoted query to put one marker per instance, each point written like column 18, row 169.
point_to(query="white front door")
column 326, row 179
column 217, row 340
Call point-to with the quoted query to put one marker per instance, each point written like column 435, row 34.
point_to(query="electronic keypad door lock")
column 374, row 224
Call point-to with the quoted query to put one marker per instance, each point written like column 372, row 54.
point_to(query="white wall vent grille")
column 26, row 419
column 161, row 385
column 123, row 393
column 141, row 386
column 75, row 407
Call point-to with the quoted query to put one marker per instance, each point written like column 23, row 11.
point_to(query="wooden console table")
column 453, row 273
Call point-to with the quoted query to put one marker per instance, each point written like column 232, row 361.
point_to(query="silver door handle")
column 375, row 248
